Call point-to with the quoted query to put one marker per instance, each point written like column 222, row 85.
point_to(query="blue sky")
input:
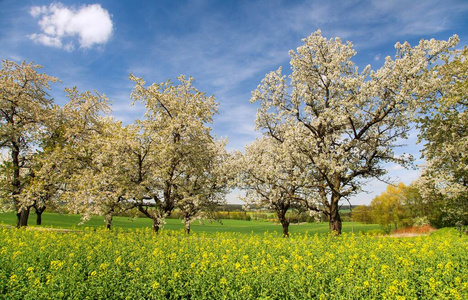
column 227, row 46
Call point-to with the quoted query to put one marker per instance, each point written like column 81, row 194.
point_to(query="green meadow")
column 66, row 221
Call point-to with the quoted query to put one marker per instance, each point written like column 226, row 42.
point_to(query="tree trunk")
column 38, row 218
column 285, row 228
column 156, row 225
column 284, row 221
column 157, row 219
column 108, row 220
column 335, row 219
column 335, row 224
column 187, row 225
column 39, row 212
column 23, row 216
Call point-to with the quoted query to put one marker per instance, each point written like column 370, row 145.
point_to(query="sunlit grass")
column 54, row 220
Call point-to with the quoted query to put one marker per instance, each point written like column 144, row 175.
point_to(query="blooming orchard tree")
column 444, row 129
column 42, row 186
column 111, row 175
column 176, row 121
column 66, row 151
column 272, row 178
column 205, row 184
column 345, row 123
column 25, row 108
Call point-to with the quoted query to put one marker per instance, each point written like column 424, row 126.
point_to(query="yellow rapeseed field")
column 141, row 265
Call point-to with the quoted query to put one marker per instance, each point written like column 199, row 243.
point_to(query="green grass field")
column 55, row 220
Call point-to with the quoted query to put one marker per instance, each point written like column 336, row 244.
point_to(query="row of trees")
column 77, row 157
column 327, row 129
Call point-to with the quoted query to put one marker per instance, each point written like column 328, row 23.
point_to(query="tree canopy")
column 444, row 132
column 25, row 112
column 344, row 122
column 328, row 128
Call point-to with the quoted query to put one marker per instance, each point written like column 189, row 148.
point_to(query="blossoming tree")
column 176, row 121
column 272, row 178
column 67, row 151
column 25, row 108
column 444, row 129
column 345, row 123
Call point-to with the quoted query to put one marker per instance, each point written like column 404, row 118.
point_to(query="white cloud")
column 61, row 25
column 36, row 11
column 46, row 40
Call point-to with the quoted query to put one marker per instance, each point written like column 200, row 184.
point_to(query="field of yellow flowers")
column 137, row 264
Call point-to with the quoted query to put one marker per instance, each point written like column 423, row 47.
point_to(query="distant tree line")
column 404, row 206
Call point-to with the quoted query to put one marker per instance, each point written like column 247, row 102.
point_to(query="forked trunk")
column 157, row 220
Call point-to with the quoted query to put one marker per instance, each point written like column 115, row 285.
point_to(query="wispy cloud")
column 229, row 58
column 61, row 25
column 369, row 24
column 237, row 121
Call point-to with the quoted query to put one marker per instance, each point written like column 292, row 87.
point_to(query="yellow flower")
column 383, row 269
column 392, row 290
column 155, row 285
column 15, row 254
column 37, row 282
